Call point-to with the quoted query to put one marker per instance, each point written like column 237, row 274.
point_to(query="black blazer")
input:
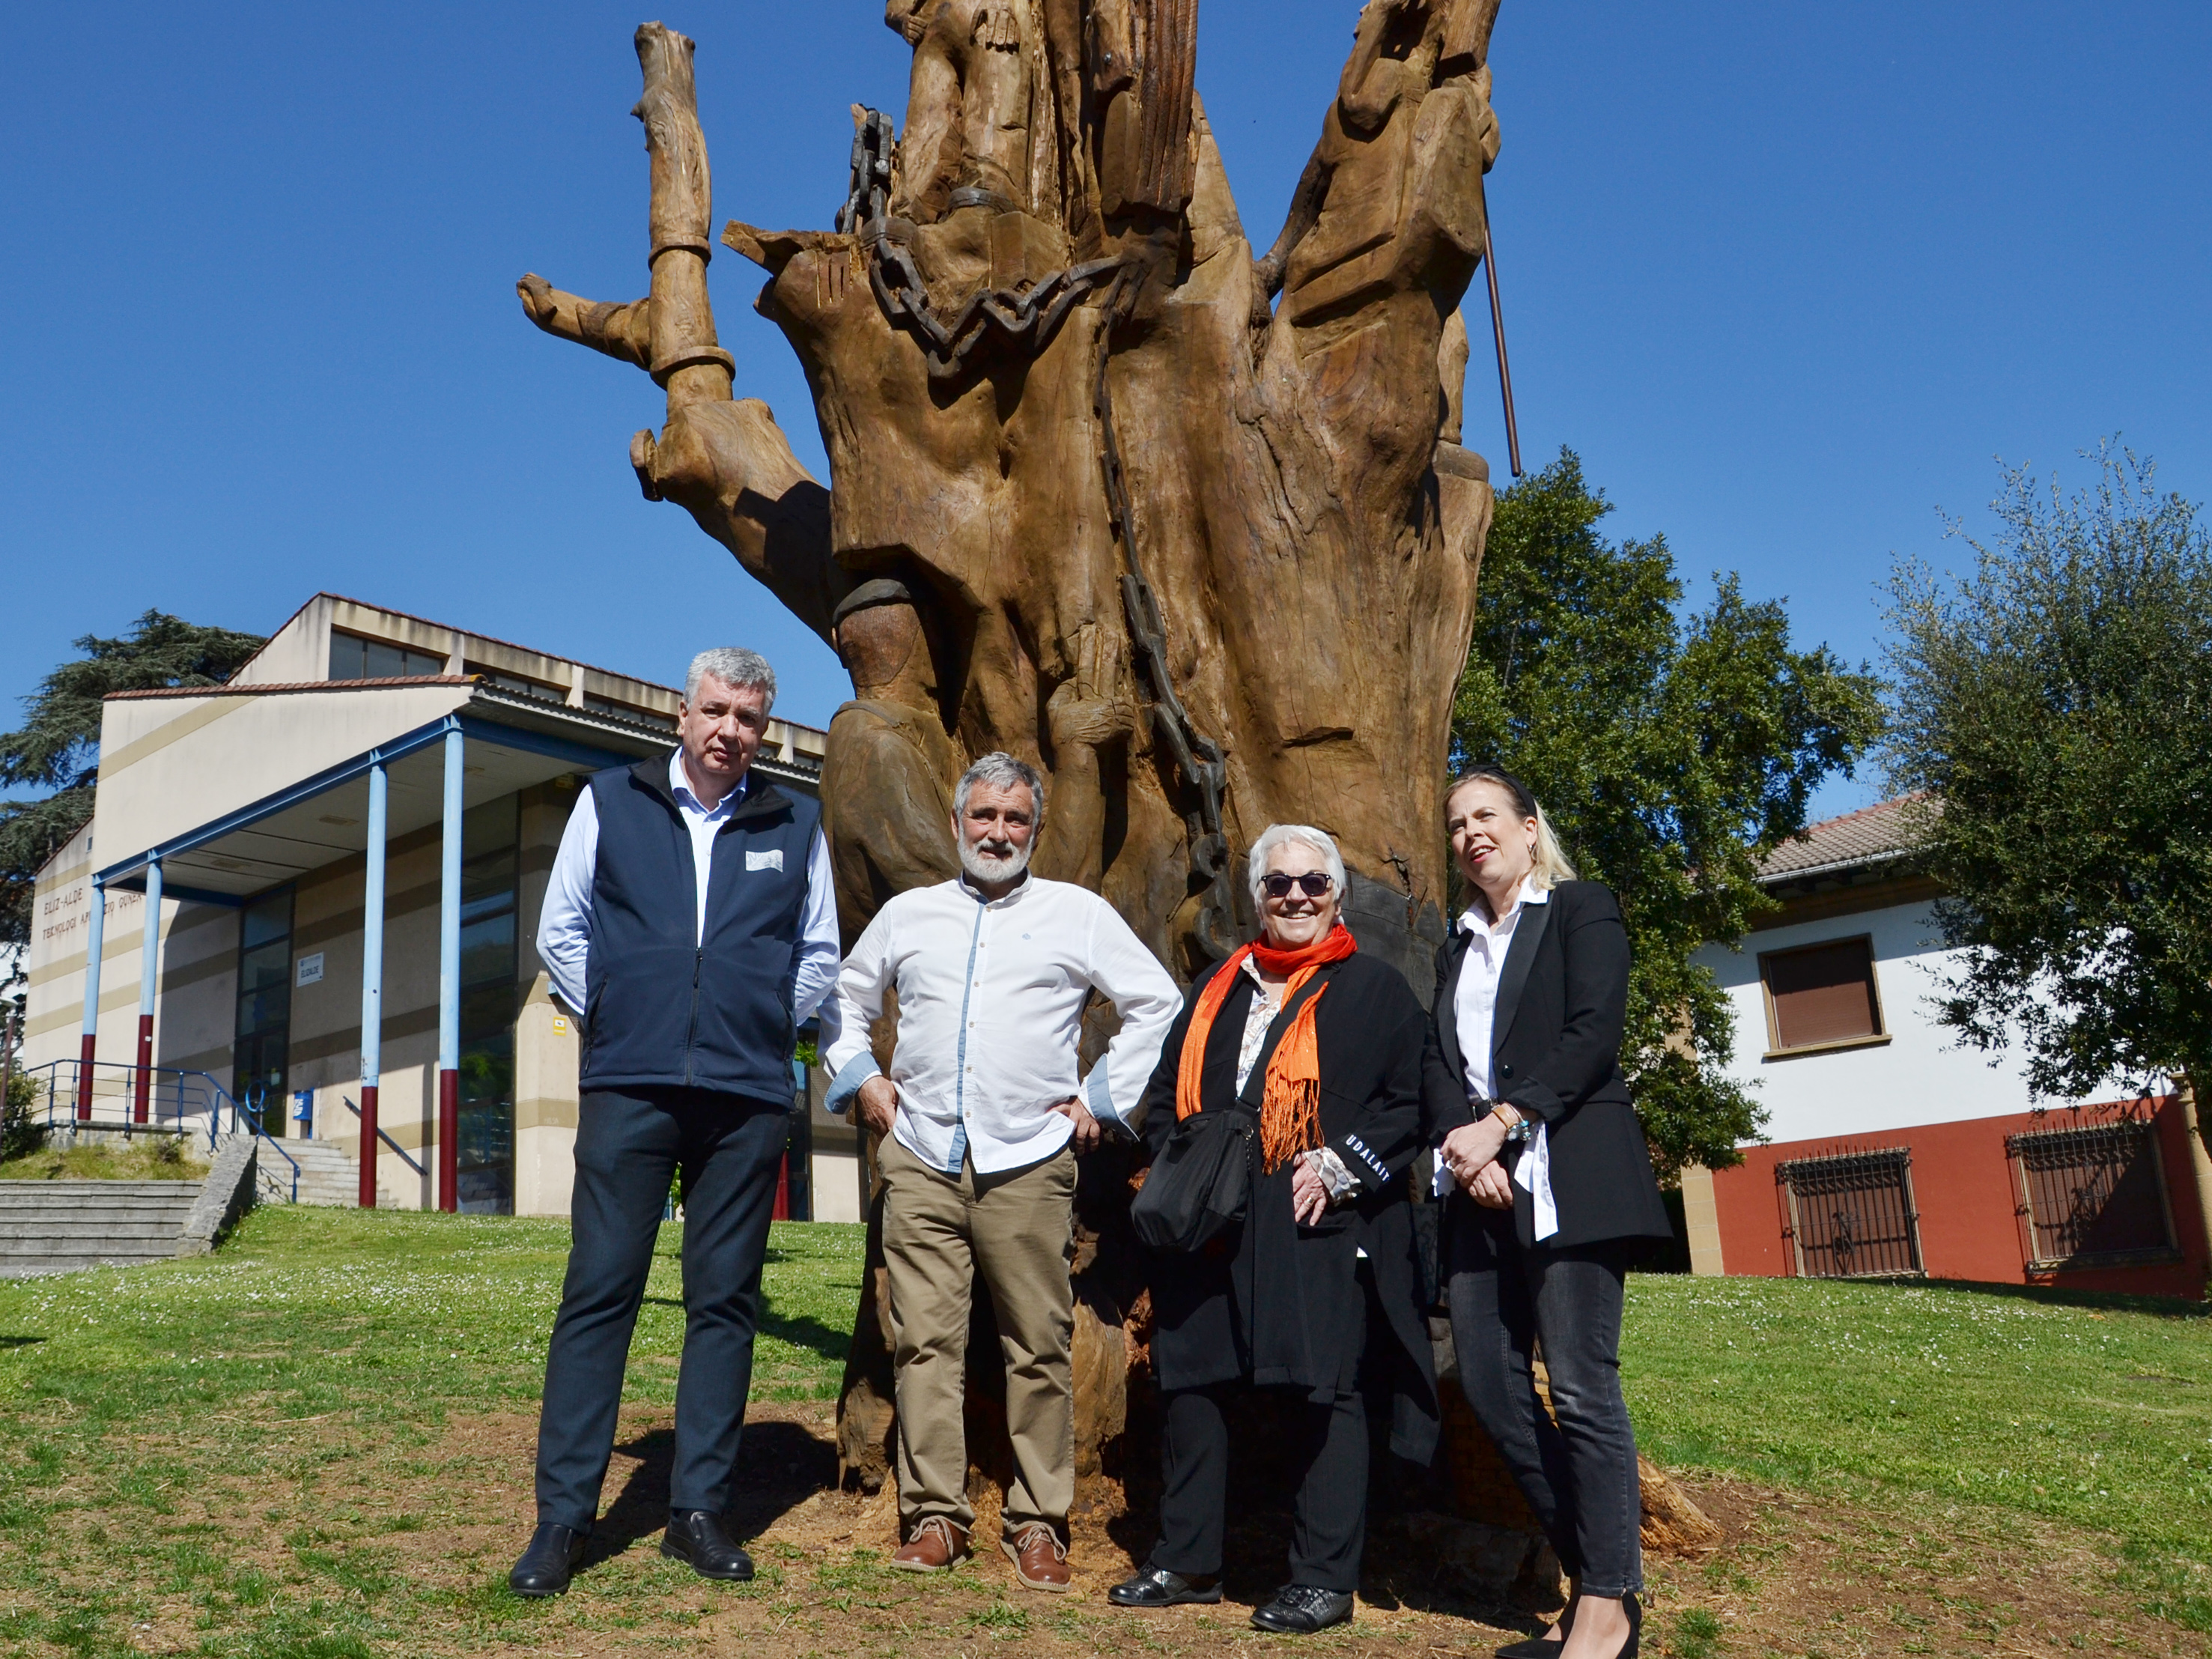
column 1555, row 1055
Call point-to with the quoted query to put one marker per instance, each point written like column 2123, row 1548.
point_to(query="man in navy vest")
column 690, row 923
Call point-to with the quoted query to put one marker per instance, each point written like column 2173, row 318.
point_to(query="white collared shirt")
column 1475, row 1014
column 1475, row 1002
column 564, row 927
column 991, row 995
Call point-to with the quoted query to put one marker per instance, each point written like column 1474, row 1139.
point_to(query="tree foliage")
column 58, row 748
column 1671, row 754
column 2056, row 700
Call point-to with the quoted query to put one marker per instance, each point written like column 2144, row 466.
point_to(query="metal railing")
column 104, row 1096
column 387, row 1139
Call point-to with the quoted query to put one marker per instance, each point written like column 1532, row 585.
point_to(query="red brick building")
column 1894, row 1151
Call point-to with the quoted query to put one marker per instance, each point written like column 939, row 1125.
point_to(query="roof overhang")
column 240, row 799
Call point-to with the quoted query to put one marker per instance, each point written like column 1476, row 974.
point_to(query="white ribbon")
column 1533, row 1175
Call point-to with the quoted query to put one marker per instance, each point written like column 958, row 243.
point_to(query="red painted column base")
column 449, row 1141
column 145, row 1068
column 84, row 1065
column 369, row 1145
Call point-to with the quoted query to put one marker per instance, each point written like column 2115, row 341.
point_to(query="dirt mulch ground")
column 1798, row 1576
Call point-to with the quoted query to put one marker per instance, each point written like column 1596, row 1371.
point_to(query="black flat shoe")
column 545, row 1566
column 696, row 1536
column 1302, row 1609
column 1156, row 1587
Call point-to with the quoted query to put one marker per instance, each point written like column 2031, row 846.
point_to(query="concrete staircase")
column 61, row 1226
column 328, row 1175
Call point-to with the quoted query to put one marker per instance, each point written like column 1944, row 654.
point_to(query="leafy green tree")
column 1671, row 754
column 57, row 750
column 2056, row 702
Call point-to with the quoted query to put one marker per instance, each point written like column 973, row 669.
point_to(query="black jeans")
column 1329, row 1519
column 627, row 1148
column 1579, row 1475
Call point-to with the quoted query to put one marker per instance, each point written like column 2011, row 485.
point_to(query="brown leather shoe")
column 937, row 1545
column 1039, row 1560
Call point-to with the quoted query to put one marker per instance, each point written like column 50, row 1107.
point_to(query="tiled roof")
column 1872, row 835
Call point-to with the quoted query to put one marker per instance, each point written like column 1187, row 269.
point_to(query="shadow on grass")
column 813, row 1334
column 779, row 1466
column 2158, row 1307
column 19, row 1341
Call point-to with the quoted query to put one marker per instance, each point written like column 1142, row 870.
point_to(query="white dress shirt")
column 564, row 925
column 1474, row 1012
column 991, row 995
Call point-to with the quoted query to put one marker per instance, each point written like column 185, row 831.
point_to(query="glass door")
column 485, row 1154
column 259, row 1059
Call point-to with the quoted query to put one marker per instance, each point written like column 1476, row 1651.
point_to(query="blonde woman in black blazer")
column 1551, row 1191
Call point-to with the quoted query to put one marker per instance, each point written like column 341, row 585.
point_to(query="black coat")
column 1276, row 1304
column 1555, row 1055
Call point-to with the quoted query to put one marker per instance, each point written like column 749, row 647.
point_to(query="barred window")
column 1851, row 1216
column 2095, row 1195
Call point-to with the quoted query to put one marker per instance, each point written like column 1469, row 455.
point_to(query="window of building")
column 1852, row 1216
column 1821, row 994
column 529, row 688
column 259, row 1059
column 628, row 711
column 2092, row 1195
column 484, row 1154
column 354, row 657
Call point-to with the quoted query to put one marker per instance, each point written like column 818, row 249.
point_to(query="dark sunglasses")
column 1313, row 884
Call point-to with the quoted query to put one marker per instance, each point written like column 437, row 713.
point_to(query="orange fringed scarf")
column 1289, row 1107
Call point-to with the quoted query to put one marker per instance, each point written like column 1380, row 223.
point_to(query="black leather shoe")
column 696, row 1536
column 1302, row 1609
column 1156, row 1587
column 545, row 1566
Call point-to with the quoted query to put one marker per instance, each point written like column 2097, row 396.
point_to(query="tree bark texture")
column 1190, row 532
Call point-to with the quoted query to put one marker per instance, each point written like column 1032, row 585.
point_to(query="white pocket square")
column 771, row 860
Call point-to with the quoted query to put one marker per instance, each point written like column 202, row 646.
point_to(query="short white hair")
column 734, row 666
column 1001, row 771
column 1282, row 834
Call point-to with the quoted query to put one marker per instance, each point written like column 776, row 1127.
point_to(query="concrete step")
column 63, row 1226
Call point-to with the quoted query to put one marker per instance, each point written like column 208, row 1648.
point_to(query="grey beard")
column 980, row 866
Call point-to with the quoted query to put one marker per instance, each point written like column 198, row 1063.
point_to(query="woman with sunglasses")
column 1551, row 1191
column 1324, row 1045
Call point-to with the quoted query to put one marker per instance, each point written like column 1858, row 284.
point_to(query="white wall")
column 1921, row 1075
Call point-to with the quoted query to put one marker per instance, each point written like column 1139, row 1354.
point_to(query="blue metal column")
column 149, row 978
column 96, row 934
column 372, row 980
column 449, row 984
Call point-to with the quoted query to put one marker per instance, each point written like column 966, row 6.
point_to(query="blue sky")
column 1788, row 276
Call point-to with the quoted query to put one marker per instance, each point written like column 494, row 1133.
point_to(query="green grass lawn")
column 200, row 1456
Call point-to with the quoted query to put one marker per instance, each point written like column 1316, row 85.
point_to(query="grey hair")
column 1281, row 835
column 734, row 666
column 1000, row 771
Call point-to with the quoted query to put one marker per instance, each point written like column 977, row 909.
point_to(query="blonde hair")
column 1550, row 865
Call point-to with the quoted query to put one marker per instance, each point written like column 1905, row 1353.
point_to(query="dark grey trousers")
column 629, row 1147
column 1329, row 1517
column 1579, row 1473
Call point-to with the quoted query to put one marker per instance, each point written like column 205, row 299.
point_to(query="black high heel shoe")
column 1542, row 1647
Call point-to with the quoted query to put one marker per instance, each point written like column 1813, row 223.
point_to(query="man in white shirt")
column 981, row 1117
column 690, row 924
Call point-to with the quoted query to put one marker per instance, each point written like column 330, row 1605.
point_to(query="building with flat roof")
column 349, row 840
column 1894, row 1149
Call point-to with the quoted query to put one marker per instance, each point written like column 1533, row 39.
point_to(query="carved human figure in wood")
column 1207, row 563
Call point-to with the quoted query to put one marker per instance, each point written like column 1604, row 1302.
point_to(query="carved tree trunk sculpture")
column 1208, row 562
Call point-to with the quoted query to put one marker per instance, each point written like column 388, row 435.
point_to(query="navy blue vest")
column 666, row 1004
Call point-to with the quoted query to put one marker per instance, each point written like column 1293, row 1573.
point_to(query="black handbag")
column 1199, row 1184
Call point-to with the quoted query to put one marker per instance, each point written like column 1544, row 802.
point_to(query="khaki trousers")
column 1016, row 1229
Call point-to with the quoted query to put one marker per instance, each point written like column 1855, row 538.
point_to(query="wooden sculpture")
column 1192, row 532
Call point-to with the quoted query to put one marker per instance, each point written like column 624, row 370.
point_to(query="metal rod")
column 150, row 975
column 449, row 982
column 372, row 980
column 88, row 1044
column 1497, row 330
